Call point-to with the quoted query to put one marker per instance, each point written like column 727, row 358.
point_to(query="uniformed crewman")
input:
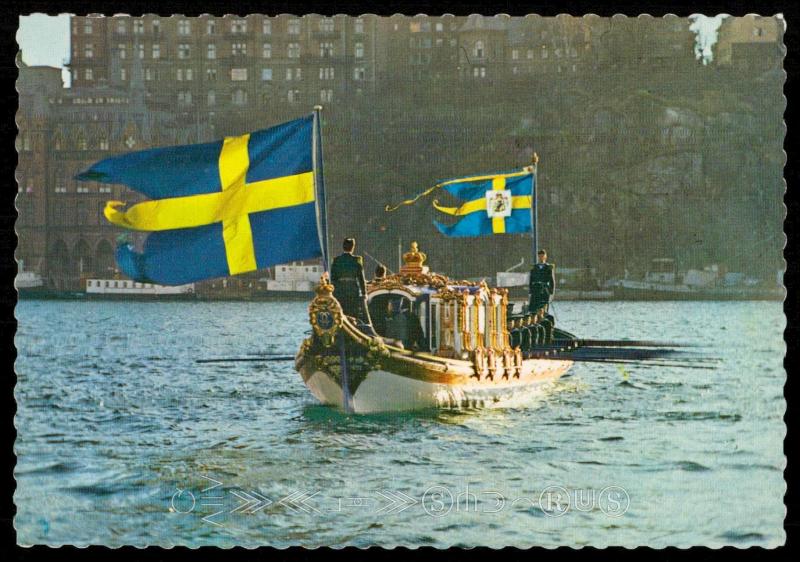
column 349, row 285
column 525, row 334
column 514, row 335
column 542, row 284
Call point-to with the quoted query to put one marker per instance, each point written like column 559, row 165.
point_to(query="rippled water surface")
column 124, row 439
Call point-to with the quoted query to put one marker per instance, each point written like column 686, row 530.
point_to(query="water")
column 124, row 439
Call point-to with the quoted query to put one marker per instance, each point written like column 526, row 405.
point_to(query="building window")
column 184, row 98
column 138, row 27
column 293, row 96
column 359, row 73
column 189, row 74
column 439, row 27
column 88, row 51
column 544, row 52
column 156, row 51
column 514, row 54
column 121, row 27
column 212, row 98
column 122, row 51
column 293, row 73
column 238, row 49
column 326, row 50
column 238, row 74
column 88, row 74
column 326, row 73
column 326, row 25
column 266, row 51
column 359, row 50
column 82, row 188
column 529, row 54
column 358, row 26
column 184, row 27
column 239, row 26
column 266, row 74
column 293, row 51
column 123, row 74
column 266, row 26
column 293, row 27
column 148, row 74
column 156, row 27
column 184, row 51
column 325, row 95
column 211, row 26
column 239, row 97
column 478, row 50
column 479, row 72
column 87, row 26
column 211, row 51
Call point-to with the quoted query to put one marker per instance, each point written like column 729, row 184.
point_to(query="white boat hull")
column 382, row 391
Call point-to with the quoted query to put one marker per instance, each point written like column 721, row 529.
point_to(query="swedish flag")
column 219, row 208
column 494, row 204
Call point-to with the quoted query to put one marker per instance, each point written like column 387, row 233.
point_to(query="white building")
column 295, row 276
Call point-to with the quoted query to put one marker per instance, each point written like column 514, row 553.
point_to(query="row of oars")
column 651, row 353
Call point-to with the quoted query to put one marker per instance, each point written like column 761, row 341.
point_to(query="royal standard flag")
column 493, row 204
column 219, row 208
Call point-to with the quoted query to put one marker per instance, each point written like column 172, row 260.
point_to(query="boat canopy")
column 429, row 312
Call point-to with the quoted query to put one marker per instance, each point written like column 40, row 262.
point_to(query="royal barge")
column 433, row 342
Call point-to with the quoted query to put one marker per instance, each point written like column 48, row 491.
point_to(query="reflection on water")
column 124, row 439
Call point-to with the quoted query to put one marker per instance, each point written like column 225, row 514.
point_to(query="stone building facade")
column 154, row 81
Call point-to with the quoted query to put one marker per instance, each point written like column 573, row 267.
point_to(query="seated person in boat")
column 514, row 335
column 541, row 284
column 548, row 321
column 402, row 325
column 380, row 274
column 379, row 311
column 349, row 285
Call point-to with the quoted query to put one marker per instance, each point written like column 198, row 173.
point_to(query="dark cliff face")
column 641, row 158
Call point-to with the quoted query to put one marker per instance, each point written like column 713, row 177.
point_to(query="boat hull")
column 384, row 391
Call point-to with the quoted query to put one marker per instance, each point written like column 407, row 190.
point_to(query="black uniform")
column 541, row 286
column 350, row 286
column 515, row 337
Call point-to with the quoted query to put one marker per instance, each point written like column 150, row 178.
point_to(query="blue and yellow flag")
column 219, row 208
column 494, row 203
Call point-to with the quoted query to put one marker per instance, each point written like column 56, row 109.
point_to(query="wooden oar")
column 246, row 359
column 642, row 363
column 630, row 343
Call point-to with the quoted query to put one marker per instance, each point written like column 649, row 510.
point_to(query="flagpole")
column 319, row 185
column 322, row 219
column 535, row 206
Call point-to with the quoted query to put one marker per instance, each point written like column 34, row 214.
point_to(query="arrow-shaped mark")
column 398, row 501
column 251, row 503
column 298, row 500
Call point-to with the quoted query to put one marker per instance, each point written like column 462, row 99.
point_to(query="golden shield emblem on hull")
column 325, row 314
